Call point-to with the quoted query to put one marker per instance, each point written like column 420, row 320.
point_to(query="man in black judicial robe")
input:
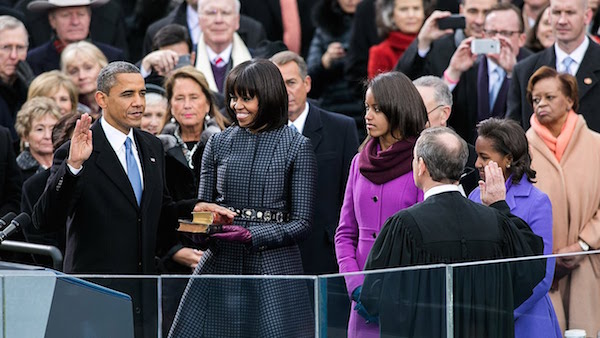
column 448, row 228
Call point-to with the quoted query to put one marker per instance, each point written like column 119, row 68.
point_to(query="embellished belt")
column 262, row 215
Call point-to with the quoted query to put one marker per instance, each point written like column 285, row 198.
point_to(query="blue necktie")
column 293, row 127
column 496, row 84
column 133, row 172
column 567, row 62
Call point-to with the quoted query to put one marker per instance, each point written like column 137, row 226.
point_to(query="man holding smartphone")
column 430, row 52
column 475, row 67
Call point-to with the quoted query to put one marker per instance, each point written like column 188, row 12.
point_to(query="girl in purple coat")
column 504, row 142
column 380, row 181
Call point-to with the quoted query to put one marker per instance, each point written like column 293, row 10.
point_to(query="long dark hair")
column 401, row 104
column 508, row 138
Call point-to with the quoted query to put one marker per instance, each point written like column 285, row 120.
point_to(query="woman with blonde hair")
column 57, row 86
column 82, row 62
column 34, row 124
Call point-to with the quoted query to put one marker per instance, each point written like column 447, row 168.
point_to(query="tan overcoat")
column 573, row 186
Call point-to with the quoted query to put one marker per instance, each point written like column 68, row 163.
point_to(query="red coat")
column 384, row 56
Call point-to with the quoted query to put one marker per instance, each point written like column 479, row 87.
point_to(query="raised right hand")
column 81, row 142
column 430, row 31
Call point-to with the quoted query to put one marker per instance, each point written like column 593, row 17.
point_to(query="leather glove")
column 233, row 233
column 360, row 309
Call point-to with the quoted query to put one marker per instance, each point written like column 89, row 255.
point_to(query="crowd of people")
column 396, row 143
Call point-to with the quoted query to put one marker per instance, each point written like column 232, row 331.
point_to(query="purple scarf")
column 383, row 166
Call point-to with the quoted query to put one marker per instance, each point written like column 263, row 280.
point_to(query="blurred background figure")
column 380, row 182
column 326, row 57
column 156, row 114
column 540, row 36
column 285, row 20
column 531, row 11
column 34, row 125
column 504, row 142
column 107, row 24
column 560, row 148
column 15, row 74
column 220, row 48
column 438, row 101
column 70, row 21
column 82, row 62
column 10, row 175
column 398, row 23
column 171, row 48
column 186, row 15
column 57, row 86
column 34, row 187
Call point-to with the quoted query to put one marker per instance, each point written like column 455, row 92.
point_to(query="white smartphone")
column 485, row 46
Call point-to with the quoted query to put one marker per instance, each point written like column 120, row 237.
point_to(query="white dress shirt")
column 225, row 54
column 442, row 188
column 301, row 120
column 116, row 139
column 577, row 56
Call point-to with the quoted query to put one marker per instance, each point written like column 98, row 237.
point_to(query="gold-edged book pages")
column 201, row 223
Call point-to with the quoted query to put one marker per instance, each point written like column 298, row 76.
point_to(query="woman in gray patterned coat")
column 266, row 173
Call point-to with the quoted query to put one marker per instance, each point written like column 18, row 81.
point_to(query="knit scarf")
column 382, row 166
column 400, row 41
column 557, row 145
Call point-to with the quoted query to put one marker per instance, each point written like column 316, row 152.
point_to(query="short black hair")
column 262, row 79
column 108, row 75
column 170, row 35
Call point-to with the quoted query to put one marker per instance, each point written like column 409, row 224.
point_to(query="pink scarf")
column 557, row 145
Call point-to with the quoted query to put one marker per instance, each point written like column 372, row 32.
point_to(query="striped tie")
column 219, row 62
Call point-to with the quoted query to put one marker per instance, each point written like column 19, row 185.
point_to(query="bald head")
column 443, row 152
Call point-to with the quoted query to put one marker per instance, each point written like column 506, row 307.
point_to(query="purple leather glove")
column 233, row 233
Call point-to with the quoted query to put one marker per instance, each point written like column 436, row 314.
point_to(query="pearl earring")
column 508, row 166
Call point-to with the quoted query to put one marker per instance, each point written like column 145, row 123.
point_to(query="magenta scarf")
column 380, row 167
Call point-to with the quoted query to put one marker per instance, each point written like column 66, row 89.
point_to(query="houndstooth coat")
column 274, row 170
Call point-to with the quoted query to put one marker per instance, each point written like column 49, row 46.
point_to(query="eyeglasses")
column 431, row 111
column 212, row 13
column 7, row 49
column 506, row 34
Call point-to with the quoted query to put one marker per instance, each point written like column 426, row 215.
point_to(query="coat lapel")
column 108, row 162
column 313, row 126
column 586, row 75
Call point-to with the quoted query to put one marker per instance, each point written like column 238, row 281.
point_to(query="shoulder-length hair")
column 48, row 83
column 189, row 72
column 401, row 104
column 508, row 138
column 32, row 110
column 568, row 84
column 261, row 79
